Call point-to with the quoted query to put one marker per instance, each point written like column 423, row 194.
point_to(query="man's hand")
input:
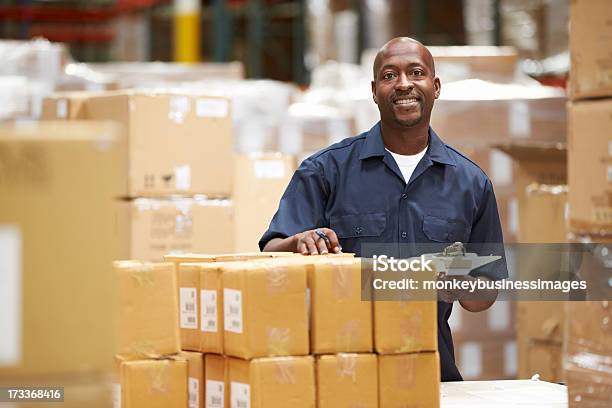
column 476, row 301
column 312, row 242
column 317, row 241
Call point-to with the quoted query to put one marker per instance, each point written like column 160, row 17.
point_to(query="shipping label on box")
column 189, row 304
column 217, row 390
column 195, row 380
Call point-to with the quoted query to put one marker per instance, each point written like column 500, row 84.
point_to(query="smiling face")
column 405, row 85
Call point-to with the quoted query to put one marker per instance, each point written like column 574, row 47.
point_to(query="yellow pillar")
column 187, row 30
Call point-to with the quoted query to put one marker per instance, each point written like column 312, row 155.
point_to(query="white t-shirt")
column 407, row 164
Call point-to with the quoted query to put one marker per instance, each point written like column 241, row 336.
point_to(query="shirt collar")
column 374, row 147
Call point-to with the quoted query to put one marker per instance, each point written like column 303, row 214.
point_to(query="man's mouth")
column 406, row 100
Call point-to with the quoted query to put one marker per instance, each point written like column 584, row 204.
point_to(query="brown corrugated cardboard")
column 492, row 63
column 65, row 105
column 240, row 256
column 153, row 384
column 587, row 353
column 409, row 378
column 161, row 226
column 259, row 183
column 590, row 158
column 189, row 306
column 57, row 294
column 148, row 310
column 178, row 143
column 544, row 359
column 195, row 378
column 500, row 120
column 254, row 294
column 347, row 381
column 486, row 359
column 217, row 387
column 405, row 326
column 591, row 66
column 340, row 320
column 272, row 382
column 540, row 176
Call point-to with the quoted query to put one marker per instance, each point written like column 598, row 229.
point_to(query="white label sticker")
column 232, row 310
column 182, row 177
column 10, row 295
column 240, row 395
column 189, row 313
column 215, row 394
column 470, row 360
column 194, row 393
column 208, row 307
column 519, row 120
column 269, row 169
column 212, row 108
column 116, row 395
column 180, row 106
column 498, row 316
column 510, row 358
column 61, row 109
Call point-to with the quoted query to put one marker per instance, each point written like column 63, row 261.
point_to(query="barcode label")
column 240, row 395
column 208, row 299
column 194, row 393
column 215, row 392
column 232, row 305
column 189, row 314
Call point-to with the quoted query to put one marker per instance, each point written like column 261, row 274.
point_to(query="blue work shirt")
column 356, row 188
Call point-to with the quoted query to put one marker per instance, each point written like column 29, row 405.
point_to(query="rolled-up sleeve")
column 302, row 206
column 487, row 238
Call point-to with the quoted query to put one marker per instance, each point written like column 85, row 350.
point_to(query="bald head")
column 400, row 45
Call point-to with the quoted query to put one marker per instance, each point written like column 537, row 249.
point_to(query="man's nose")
column 404, row 83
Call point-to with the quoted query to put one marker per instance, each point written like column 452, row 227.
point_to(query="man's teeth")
column 406, row 101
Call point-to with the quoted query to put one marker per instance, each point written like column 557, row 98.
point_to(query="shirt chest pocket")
column 440, row 229
column 359, row 225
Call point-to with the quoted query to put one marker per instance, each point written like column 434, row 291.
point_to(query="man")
column 397, row 183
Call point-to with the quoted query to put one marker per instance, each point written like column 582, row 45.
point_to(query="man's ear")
column 374, row 92
column 437, row 87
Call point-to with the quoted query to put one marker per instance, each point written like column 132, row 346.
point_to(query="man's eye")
column 388, row 75
column 418, row 72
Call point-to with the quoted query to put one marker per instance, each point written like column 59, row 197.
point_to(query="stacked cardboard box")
column 180, row 160
column 57, row 294
column 587, row 352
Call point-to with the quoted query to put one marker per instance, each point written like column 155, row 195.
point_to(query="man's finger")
column 321, row 244
column 312, row 247
column 334, row 243
column 302, row 248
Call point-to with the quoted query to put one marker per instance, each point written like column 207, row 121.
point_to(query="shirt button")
column 404, row 235
column 404, row 196
column 358, row 230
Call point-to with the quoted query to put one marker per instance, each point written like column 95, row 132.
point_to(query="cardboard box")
column 341, row 321
column 405, row 326
column 259, row 183
column 148, row 310
column 240, row 256
column 541, row 118
column 590, row 158
column 195, row 378
column 272, row 382
column 541, row 177
column 158, row 226
column 409, row 378
column 347, row 380
column 152, row 384
column 65, row 105
column 217, row 388
column 588, row 388
column 202, row 281
column 486, row 359
column 57, row 294
column 544, row 359
column 178, row 143
column 254, row 294
column 590, row 67
column 189, row 306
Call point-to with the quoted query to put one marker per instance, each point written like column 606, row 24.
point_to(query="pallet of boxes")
column 588, row 352
column 260, row 331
